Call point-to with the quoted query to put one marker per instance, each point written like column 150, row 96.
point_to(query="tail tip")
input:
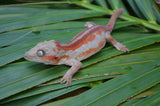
column 120, row 10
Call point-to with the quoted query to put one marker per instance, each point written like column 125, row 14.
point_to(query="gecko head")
column 45, row 52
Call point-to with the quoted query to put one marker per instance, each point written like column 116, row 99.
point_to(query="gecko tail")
column 114, row 16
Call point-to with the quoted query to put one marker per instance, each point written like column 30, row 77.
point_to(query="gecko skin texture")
column 82, row 46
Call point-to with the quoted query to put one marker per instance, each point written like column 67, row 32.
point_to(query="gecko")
column 83, row 45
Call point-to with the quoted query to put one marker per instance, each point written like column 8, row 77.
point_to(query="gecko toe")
column 68, row 83
column 63, row 81
column 125, row 49
column 66, row 80
column 121, row 47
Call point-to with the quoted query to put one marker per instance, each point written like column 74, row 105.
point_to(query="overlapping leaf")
column 121, row 90
column 130, row 71
column 150, row 96
column 125, row 17
column 48, row 17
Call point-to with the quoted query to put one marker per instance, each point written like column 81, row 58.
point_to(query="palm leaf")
column 108, row 73
column 149, row 97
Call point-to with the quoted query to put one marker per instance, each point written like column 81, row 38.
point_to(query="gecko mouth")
column 26, row 56
column 32, row 58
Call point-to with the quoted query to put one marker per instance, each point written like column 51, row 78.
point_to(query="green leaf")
column 116, row 4
column 156, row 11
column 135, row 8
column 50, row 17
column 108, row 73
column 152, row 100
column 142, row 96
column 57, row 103
column 14, row 84
column 102, row 3
column 125, row 17
column 145, row 6
column 19, row 36
column 12, row 13
column 44, row 97
column 53, row 87
column 112, row 93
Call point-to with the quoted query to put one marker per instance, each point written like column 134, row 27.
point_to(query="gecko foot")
column 66, row 79
column 121, row 47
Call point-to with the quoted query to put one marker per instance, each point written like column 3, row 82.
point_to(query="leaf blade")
column 112, row 87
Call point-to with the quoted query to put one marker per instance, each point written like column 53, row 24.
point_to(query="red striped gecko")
column 82, row 46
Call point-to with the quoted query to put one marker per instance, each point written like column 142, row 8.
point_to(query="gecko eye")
column 40, row 53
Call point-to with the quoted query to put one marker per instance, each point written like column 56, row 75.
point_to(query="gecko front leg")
column 75, row 66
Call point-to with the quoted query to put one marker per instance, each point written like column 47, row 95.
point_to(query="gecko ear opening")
column 56, row 57
column 40, row 53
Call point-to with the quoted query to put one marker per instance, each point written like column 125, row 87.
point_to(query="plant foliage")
column 110, row 76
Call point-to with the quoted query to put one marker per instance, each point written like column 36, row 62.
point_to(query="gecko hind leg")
column 116, row 44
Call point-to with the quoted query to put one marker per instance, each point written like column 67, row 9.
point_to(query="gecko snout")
column 32, row 56
column 27, row 56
